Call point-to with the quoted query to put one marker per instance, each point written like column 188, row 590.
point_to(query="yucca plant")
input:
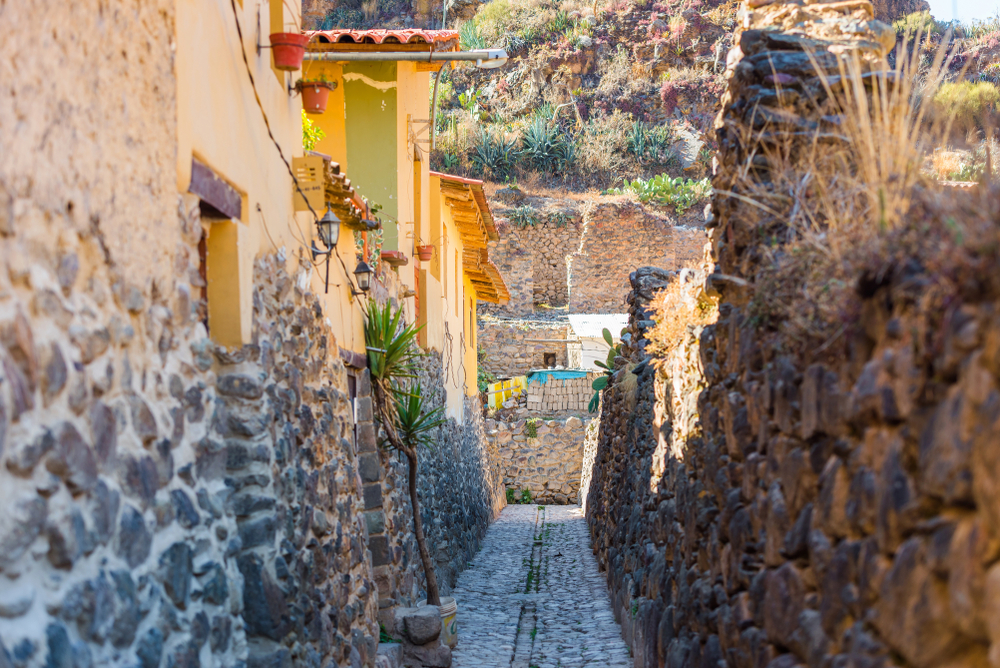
column 392, row 353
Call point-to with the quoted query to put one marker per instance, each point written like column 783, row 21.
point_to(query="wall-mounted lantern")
column 329, row 234
column 329, row 229
column 363, row 273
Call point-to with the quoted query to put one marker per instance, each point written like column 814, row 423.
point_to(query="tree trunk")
column 383, row 406
column 433, row 596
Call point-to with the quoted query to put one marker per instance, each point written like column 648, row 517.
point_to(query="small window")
column 550, row 360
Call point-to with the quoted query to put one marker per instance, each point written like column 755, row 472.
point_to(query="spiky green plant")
column 392, row 353
column 414, row 422
column 493, row 155
column 540, row 144
column 470, row 37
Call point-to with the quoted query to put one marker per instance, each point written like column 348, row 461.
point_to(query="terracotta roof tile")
column 382, row 36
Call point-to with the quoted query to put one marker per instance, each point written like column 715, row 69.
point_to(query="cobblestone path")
column 533, row 596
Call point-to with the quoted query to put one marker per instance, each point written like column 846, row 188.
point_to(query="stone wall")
column 549, row 465
column 760, row 503
column 175, row 501
column 515, row 347
column 169, row 502
column 532, row 257
column 572, row 258
column 617, row 238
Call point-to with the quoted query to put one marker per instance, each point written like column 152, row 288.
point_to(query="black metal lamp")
column 363, row 274
column 329, row 234
column 329, row 229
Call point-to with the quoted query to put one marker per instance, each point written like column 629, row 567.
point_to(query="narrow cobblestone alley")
column 533, row 596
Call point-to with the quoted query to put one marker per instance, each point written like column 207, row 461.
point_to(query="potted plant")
column 425, row 252
column 315, row 93
column 399, row 405
column 288, row 48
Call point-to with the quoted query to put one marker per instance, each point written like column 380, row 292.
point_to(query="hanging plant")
column 425, row 252
column 315, row 93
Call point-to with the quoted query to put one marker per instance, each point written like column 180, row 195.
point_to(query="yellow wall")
column 220, row 124
column 411, row 101
column 469, row 331
column 412, row 177
column 334, row 143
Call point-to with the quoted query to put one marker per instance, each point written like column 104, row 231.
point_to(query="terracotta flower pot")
column 425, row 253
column 315, row 95
column 288, row 48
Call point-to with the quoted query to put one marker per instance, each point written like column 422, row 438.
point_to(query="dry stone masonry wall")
column 513, row 348
column 759, row 507
column 582, row 259
column 619, row 237
column 532, row 258
column 548, row 463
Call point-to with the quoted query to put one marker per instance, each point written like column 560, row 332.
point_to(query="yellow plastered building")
column 377, row 127
column 240, row 142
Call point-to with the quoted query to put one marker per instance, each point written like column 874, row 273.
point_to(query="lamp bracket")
column 317, row 253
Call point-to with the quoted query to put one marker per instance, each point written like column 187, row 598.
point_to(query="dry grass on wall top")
column 821, row 208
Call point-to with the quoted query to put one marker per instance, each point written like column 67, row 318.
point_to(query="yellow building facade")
column 240, row 142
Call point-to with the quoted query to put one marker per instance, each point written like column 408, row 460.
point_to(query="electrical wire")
column 281, row 154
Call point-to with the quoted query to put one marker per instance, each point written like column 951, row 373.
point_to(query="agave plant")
column 493, row 155
column 392, row 353
column 638, row 140
column 540, row 144
column 470, row 38
column 565, row 152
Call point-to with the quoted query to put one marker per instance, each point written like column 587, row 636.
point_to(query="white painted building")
column 588, row 328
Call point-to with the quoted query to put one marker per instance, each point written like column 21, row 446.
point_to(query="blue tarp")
column 542, row 376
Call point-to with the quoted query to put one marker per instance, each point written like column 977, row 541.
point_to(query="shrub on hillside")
column 917, row 23
column 966, row 104
column 494, row 155
column 663, row 190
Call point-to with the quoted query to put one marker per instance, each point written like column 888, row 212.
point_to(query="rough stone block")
column 367, row 441
column 379, row 546
column 427, row 656
column 420, row 625
column 390, row 655
column 241, row 386
column 363, row 410
column 369, row 467
column 72, row 459
column 375, row 521
column 373, row 496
